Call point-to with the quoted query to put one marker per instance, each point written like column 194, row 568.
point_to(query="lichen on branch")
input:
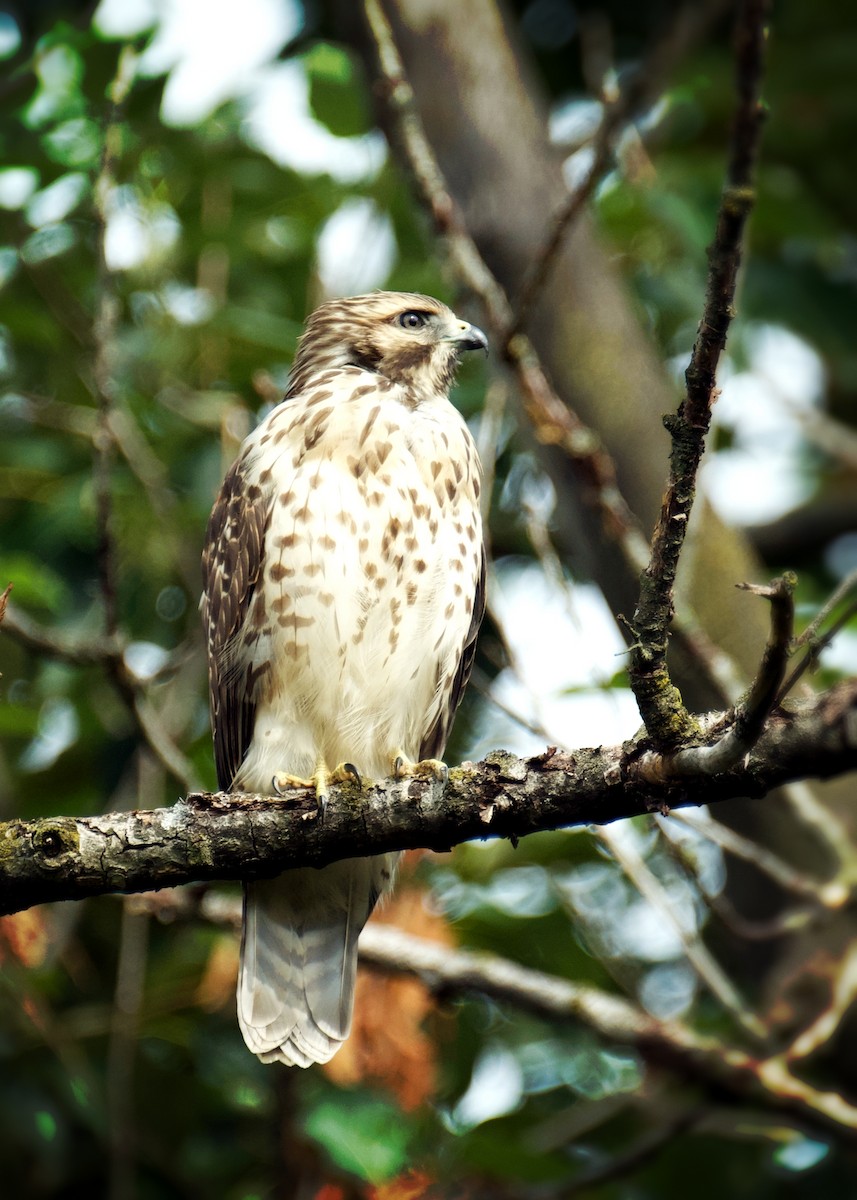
column 208, row 836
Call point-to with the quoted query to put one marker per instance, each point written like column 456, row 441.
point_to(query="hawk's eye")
column 412, row 320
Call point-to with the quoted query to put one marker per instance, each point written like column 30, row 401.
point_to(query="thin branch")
column 4, row 601
column 843, row 589
column 669, row 1043
column 80, row 650
column 810, row 635
column 830, row 895
column 161, row 743
column 109, row 652
column 552, row 421
column 824, row 1027
column 745, row 727
column 640, row 1152
column 619, row 109
column 829, row 829
column 484, row 686
column 615, row 115
column 647, row 884
column 707, row 969
column 220, row 836
column 105, row 329
column 661, row 706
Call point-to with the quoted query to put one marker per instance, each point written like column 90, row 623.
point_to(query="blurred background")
column 150, row 300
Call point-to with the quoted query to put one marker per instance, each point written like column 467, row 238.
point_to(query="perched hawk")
column 343, row 590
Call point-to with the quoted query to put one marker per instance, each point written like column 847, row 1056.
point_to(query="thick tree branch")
column 218, row 836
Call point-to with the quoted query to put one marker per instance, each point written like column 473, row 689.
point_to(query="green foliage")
column 215, row 263
column 362, row 1134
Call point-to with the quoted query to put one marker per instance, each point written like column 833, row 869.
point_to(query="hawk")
column 344, row 579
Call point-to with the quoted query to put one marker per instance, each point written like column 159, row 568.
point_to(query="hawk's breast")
column 371, row 563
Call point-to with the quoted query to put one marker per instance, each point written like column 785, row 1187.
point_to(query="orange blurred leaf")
column 411, row 1186
column 216, row 989
column 26, row 935
column 330, row 1191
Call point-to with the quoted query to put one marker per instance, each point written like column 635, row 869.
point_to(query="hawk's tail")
column 299, row 957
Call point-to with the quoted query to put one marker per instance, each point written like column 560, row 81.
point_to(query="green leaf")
column 35, row 585
column 333, row 95
column 364, row 1136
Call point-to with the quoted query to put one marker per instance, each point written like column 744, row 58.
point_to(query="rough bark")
column 218, row 836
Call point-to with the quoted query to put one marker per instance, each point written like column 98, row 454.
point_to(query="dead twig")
column 666, row 719
column 749, row 718
column 706, row 967
column 663, row 1042
column 810, row 636
column 553, row 422
column 620, row 108
column 104, row 332
column 4, row 600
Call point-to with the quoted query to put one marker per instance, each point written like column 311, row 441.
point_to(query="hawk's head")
column 410, row 339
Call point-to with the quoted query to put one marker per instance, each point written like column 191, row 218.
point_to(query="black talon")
column 397, row 766
column 277, row 790
column 354, row 773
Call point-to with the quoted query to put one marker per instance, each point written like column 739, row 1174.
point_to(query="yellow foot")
column 320, row 781
column 431, row 767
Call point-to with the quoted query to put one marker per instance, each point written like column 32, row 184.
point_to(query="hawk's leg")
column 319, row 781
column 431, row 767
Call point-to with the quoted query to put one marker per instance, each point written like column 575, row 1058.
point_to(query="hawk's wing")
column 232, row 564
column 434, row 740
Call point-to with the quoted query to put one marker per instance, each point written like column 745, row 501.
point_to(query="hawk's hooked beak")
column 468, row 337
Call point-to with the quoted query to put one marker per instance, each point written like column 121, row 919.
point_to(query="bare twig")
column 552, row 421
column 619, row 109
column 824, row 1027
column 745, row 727
column 104, row 338
column 161, row 743
column 615, row 115
column 80, row 650
column 831, row 895
column 4, row 600
column 109, row 652
column 661, row 706
column 696, row 952
column 828, row 827
column 811, row 636
column 843, row 589
column 646, row 1148
column 483, row 685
